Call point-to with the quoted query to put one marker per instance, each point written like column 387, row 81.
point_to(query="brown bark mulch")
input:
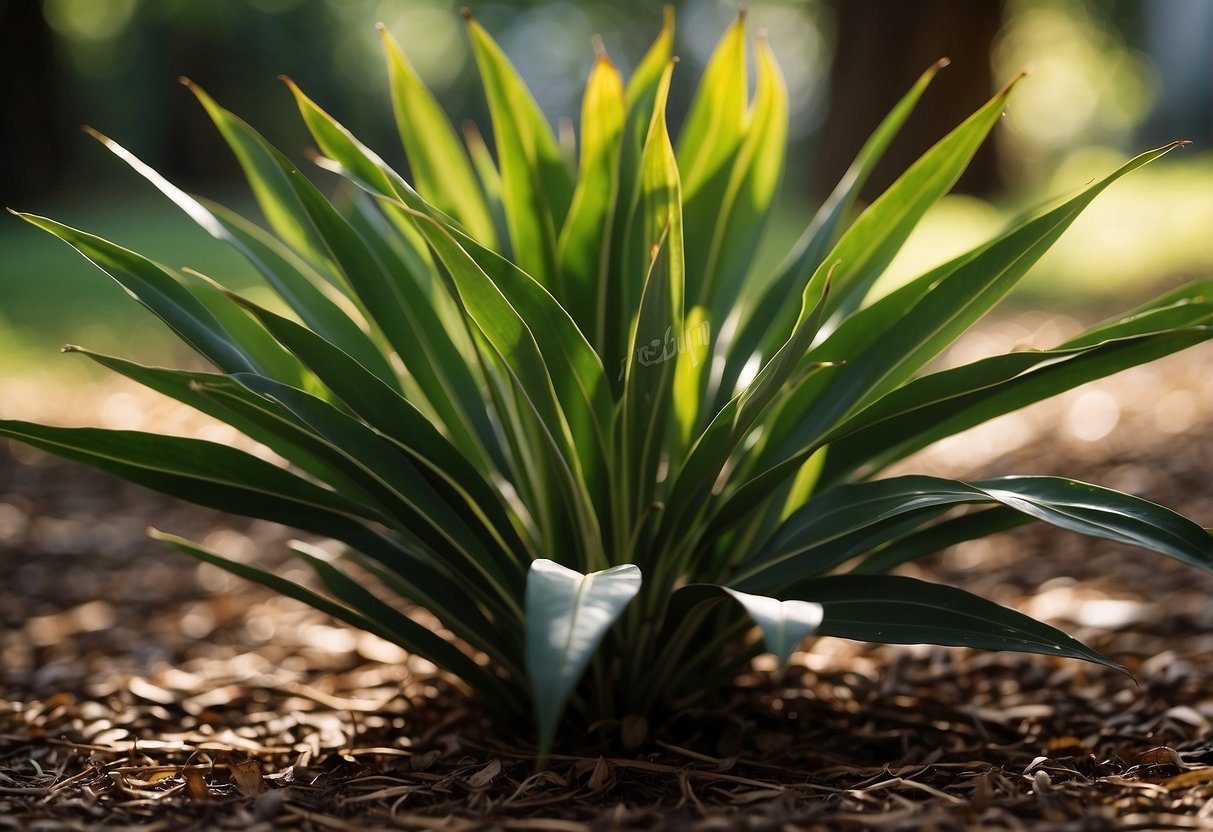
column 139, row 689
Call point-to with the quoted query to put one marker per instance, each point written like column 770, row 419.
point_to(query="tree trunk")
column 882, row 48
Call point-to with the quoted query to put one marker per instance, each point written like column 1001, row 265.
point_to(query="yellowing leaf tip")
column 1019, row 76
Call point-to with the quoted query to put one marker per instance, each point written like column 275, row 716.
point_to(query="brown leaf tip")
column 466, row 12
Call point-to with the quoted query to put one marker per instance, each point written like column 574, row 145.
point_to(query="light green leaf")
column 440, row 168
column 657, row 242
column 749, row 193
column 585, row 240
column 621, row 284
column 535, row 184
column 711, row 136
column 567, row 615
column 767, row 323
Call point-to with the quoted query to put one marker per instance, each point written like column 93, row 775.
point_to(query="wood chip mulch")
column 139, row 689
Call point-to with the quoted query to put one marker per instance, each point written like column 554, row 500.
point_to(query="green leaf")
column 535, row 183
column 490, row 183
column 516, row 347
column 396, row 418
column 440, row 168
column 158, row 289
column 750, row 191
column 252, row 415
column 498, row 318
column 304, row 290
column 567, row 615
column 421, row 503
column 398, row 304
column 708, row 456
column 897, row 610
column 946, row 403
column 436, row 362
column 207, row 473
column 945, row 309
column 394, row 625
column 876, row 237
column 612, row 327
column 766, row 324
column 657, row 241
column 714, row 130
column 848, row 520
column 584, row 244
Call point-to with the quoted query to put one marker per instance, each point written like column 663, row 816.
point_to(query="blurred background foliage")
column 1107, row 79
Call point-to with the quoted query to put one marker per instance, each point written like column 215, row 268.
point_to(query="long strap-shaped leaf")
column 943, row 404
column 441, row 169
column 765, row 325
column 351, row 609
column 394, row 416
column 156, row 288
column 872, row 241
column 695, row 479
column 295, row 281
column 423, row 505
column 254, row 416
column 398, row 304
column 567, row 615
column 610, row 332
column 513, row 337
column 227, row 479
column 802, row 547
column 536, row 186
column 897, row 610
column 955, row 299
column 207, row 473
column 751, row 188
column 657, row 331
column 711, row 138
column 585, row 240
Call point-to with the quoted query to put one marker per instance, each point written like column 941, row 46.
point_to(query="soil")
column 139, row 689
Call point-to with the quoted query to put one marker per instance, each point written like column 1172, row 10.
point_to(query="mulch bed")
column 140, row 689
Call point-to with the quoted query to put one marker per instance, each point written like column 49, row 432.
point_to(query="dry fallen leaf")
column 247, row 777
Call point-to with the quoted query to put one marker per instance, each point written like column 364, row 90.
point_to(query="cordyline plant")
column 560, row 411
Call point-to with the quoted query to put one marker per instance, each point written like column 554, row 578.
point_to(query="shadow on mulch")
column 138, row 688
